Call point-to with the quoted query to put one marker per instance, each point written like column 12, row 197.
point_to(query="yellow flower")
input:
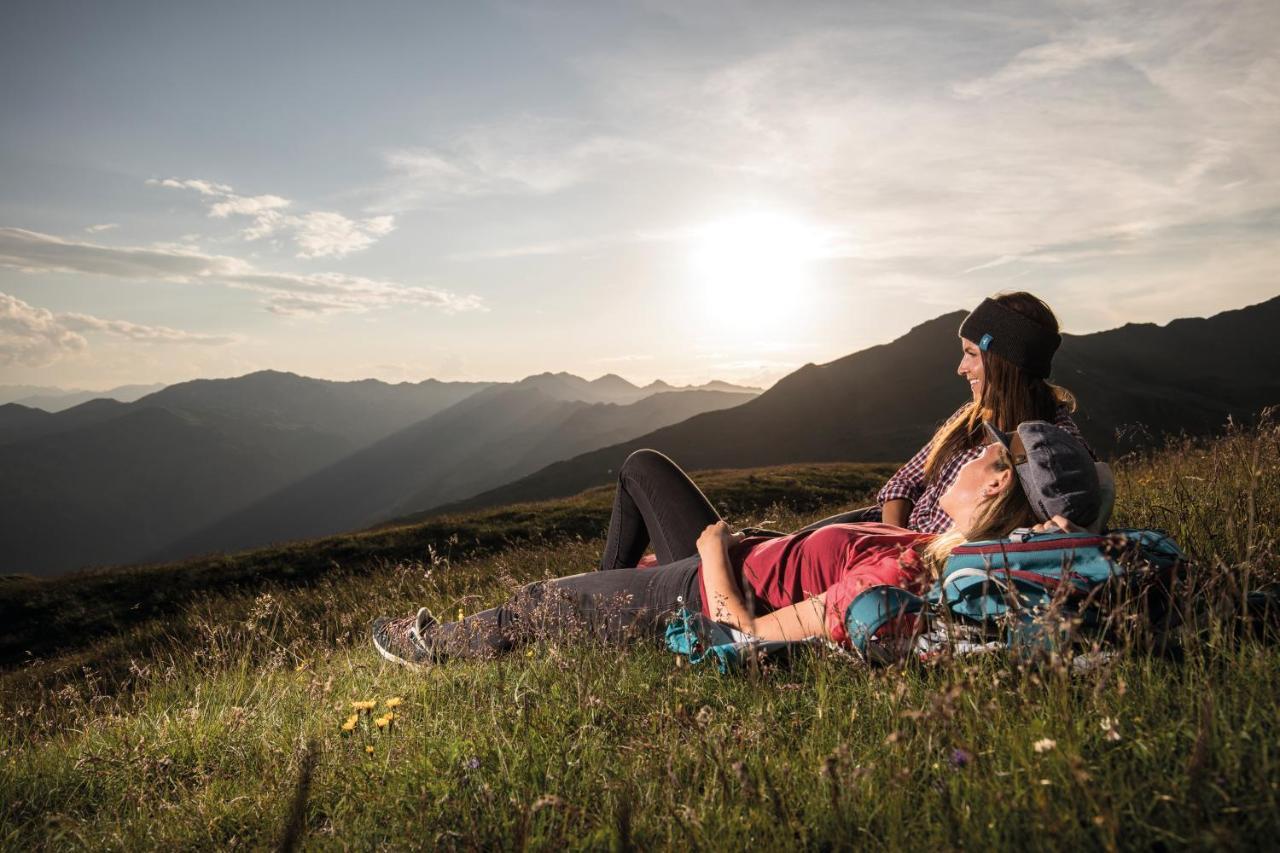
column 393, row 702
column 382, row 722
column 300, row 667
column 1044, row 744
column 364, row 705
column 350, row 724
column 369, row 749
column 460, row 614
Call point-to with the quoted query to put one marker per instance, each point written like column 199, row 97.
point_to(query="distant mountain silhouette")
column 362, row 411
column 1134, row 384
column 116, row 490
column 14, row 427
column 57, row 399
column 492, row 437
column 107, row 482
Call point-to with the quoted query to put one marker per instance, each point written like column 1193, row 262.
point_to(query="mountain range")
column 236, row 463
column 1134, row 384
column 58, row 399
column 186, row 467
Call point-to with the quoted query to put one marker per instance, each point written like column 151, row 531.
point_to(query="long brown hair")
column 1009, row 395
column 997, row 517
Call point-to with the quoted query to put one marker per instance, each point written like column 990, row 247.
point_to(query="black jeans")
column 654, row 502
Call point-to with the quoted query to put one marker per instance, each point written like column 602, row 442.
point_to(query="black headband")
column 1012, row 336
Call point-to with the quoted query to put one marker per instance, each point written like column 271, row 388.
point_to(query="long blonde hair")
column 997, row 517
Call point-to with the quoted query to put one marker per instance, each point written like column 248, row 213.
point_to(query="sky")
column 675, row 190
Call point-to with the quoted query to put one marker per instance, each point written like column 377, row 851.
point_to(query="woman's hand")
column 717, row 537
column 1059, row 522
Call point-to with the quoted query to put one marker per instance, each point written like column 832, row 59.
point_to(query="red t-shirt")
column 840, row 559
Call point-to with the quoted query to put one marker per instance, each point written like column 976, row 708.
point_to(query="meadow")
column 219, row 703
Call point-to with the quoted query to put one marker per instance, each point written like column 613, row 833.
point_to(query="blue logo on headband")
column 985, row 343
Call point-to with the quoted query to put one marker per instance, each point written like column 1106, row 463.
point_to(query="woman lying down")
column 773, row 588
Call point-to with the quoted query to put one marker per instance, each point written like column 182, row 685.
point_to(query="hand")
column 717, row 537
column 1059, row 522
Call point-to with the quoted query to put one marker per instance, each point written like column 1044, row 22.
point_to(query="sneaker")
column 402, row 641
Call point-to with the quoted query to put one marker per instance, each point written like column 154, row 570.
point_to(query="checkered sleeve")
column 908, row 483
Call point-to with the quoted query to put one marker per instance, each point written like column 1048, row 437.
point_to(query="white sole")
column 417, row 667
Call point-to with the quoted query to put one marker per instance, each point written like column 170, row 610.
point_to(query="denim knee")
column 641, row 459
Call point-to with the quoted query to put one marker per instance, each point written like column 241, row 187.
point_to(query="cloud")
column 1051, row 59
column 317, row 234
column 522, row 155
column 37, row 337
column 285, row 293
column 106, row 226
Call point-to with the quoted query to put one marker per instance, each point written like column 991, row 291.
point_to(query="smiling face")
column 979, row 481
column 971, row 367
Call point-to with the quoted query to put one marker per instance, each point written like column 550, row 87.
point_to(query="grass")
column 212, row 716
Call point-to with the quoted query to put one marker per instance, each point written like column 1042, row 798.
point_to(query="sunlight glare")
column 754, row 269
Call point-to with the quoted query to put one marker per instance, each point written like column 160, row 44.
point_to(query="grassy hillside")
column 212, row 717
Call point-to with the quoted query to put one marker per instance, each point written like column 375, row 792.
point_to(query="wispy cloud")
column 1054, row 58
column 523, row 155
column 316, row 234
column 285, row 293
column 106, row 226
column 36, row 337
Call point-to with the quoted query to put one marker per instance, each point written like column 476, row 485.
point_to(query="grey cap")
column 1057, row 473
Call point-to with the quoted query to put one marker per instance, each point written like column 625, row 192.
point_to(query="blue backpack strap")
column 871, row 610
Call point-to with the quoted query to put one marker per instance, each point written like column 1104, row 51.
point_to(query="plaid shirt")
column 909, row 483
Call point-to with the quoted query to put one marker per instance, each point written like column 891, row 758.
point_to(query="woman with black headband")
column 1008, row 343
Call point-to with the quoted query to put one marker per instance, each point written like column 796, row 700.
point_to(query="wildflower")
column 460, row 617
column 1044, row 744
column 364, row 705
column 301, row 666
column 385, row 720
column 369, row 750
column 472, row 763
column 1112, row 730
column 961, row 757
column 350, row 724
column 393, row 702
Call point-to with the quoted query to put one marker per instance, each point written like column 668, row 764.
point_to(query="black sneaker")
column 402, row 641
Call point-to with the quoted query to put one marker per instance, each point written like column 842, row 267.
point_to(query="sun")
column 754, row 269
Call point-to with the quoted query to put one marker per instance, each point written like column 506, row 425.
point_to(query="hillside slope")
column 1134, row 384
column 490, row 438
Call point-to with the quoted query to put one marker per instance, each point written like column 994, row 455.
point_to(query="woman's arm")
column 806, row 619
column 896, row 512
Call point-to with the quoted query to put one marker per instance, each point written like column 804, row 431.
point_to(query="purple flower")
column 472, row 763
column 960, row 757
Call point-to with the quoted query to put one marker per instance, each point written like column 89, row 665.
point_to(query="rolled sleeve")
column 908, row 482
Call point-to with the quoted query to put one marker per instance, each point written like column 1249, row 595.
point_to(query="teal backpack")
column 1031, row 592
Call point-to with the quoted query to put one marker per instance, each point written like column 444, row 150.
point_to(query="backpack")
column 1029, row 593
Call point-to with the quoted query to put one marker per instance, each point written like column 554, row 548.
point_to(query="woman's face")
column 979, row 480
column 971, row 367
